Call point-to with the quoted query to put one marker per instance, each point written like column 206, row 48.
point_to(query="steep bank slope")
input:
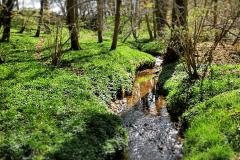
column 208, row 110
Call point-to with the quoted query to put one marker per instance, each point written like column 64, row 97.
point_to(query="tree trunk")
column 116, row 26
column 56, row 57
column 100, row 20
column 134, row 16
column 72, row 18
column 17, row 4
column 154, row 25
column 215, row 13
column 26, row 19
column 161, row 15
column 236, row 40
column 182, row 39
column 40, row 19
column 179, row 19
column 6, row 19
column 215, row 16
column 179, row 13
column 1, row 6
column 1, row 60
column 149, row 27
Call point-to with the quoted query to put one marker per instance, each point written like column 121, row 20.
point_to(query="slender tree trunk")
column 236, row 40
column 215, row 13
column 154, row 25
column 6, row 19
column 72, row 17
column 117, row 24
column 161, row 15
column 100, row 20
column 25, row 22
column 149, row 27
column 17, row 4
column 134, row 13
column 1, row 60
column 56, row 56
column 23, row 27
column 40, row 19
column 215, row 16
column 1, row 5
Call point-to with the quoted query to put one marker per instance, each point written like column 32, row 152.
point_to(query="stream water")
column 152, row 134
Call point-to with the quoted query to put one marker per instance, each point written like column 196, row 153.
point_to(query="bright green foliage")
column 210, row 110
column 61, row 113
column 184, row 94
column 153, row 47
column 214, row 130
column 108, row 71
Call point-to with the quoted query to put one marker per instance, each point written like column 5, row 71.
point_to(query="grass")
column 62, row 113
column 208, row 110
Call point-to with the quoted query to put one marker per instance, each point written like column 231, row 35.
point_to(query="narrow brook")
column 152, row 134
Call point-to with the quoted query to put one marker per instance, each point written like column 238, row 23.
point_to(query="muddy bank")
column 152, row 134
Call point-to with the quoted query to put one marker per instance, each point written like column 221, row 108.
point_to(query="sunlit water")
column 152, row 135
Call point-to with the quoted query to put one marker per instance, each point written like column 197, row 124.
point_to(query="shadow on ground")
column 166, row 73
column 101, row 132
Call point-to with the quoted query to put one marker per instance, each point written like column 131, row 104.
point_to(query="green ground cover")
column 208, row 110
column 48, row 112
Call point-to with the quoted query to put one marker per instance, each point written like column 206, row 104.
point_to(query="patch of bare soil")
column 225, row 53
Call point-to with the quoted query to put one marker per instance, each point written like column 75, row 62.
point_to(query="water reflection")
column 152, row 135
column 143, row 91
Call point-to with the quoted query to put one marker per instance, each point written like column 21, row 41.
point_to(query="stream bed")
column 152, row 134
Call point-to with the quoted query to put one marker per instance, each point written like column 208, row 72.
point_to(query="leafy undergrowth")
column 108, row 71
column 207, row 109
column 156, row 47
column 185, row 94
column 61, row 113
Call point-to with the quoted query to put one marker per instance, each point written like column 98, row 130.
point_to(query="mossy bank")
column 208, row 110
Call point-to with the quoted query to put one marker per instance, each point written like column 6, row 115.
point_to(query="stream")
column 152, row 134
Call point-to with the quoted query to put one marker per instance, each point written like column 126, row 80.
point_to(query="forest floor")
column 62, row 112
column 225, row 53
